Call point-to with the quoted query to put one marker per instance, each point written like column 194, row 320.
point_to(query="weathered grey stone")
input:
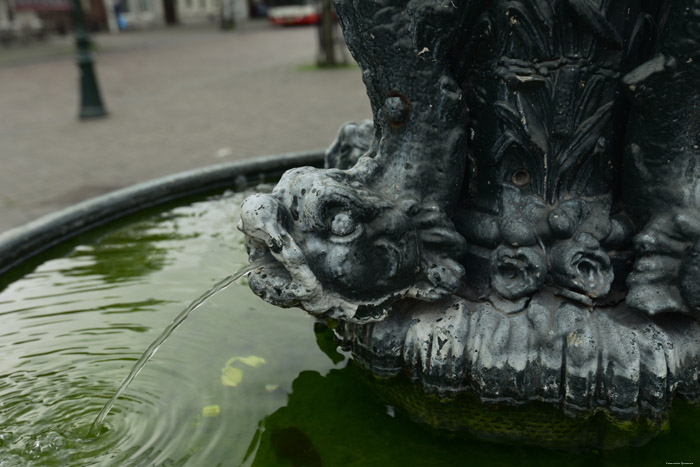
column 614, row 358
column 523, row 224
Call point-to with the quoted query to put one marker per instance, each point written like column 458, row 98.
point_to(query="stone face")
column 523, row 221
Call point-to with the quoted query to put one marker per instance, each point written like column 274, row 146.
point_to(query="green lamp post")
column 91, row 105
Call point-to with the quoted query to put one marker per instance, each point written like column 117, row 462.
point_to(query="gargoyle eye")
column 343, row 224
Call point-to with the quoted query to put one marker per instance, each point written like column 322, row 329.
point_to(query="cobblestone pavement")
column 178, row 99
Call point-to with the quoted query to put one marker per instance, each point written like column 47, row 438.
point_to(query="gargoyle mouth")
column 273, row 282
column 287, row 280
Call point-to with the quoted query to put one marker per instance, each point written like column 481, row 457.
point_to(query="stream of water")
column 155, row 345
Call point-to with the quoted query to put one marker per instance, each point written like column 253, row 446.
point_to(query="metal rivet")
column 521, row 178
column 395, row 110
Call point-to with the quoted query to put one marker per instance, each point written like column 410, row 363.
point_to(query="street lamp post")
column 91, row 105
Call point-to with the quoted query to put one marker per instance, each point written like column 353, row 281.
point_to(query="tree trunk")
column 326, row 37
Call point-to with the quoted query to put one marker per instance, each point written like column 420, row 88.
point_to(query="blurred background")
column 182, row 84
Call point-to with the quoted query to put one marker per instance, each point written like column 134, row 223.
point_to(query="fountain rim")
column 20, row 244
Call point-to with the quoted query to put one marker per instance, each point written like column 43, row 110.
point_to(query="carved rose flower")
column 581, row 264
column 516, row 272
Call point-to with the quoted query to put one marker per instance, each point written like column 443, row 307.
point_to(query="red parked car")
column 301, row 12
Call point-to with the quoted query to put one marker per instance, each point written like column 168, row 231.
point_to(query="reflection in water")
column 293, row 445
column 125, row 254
column 338, row 419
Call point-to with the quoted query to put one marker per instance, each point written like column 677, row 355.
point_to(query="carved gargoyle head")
column 343, row 250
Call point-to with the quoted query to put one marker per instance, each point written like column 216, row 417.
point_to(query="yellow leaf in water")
column 250, row 360
column 253, row 360
column 231, row 376
column 211, row 411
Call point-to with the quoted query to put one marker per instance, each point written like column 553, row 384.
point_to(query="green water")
column 239, row 383
column 150, row 352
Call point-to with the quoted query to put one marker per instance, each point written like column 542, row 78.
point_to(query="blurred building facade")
column 146, row 13
column 25, row 18
column 21, row 19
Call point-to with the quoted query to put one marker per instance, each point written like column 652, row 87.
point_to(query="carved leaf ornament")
column 555, row 118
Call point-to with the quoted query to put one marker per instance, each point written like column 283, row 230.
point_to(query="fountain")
column 522, row 228
column 505, row 254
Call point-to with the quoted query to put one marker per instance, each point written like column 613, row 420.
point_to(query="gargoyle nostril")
column 261, row 223
column 275, row 245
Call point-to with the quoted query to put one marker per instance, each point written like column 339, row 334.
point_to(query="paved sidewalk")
column 178, row 99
